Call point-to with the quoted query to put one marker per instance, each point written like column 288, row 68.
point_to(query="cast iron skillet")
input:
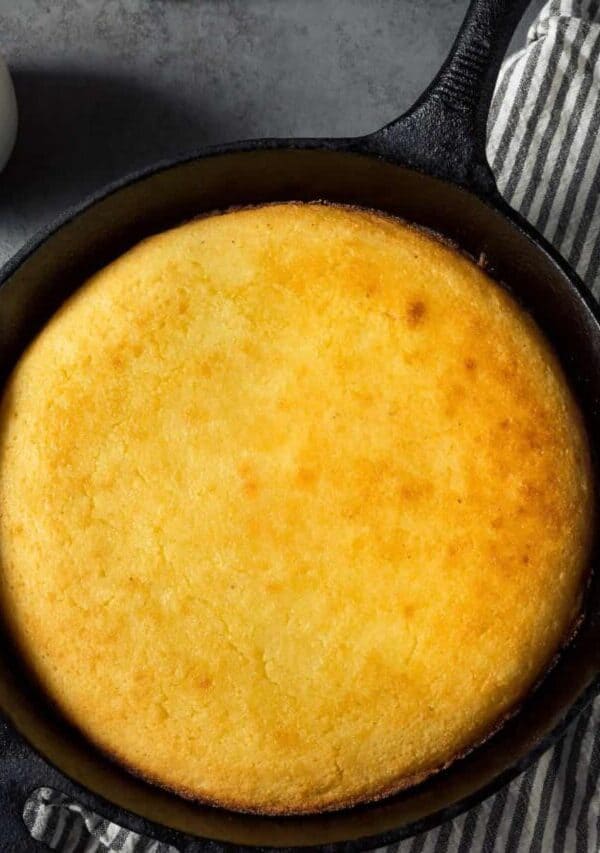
column 429, row 167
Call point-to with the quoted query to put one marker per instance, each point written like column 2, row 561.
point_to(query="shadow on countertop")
column 80, row 131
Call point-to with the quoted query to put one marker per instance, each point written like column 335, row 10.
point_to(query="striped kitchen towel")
column 544, row 148
column 68, row 827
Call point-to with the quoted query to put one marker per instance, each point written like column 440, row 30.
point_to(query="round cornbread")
column 295, row 507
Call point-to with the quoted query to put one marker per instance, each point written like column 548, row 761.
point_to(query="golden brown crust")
column 313, row 495
column 390, row 790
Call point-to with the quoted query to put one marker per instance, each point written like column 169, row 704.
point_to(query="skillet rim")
column 362, row 147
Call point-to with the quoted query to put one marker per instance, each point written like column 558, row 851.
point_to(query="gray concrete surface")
column 107, row 86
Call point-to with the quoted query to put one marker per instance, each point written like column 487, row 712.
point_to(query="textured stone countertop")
column 108, row 86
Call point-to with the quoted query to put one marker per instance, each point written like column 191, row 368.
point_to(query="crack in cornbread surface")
column 294, row 507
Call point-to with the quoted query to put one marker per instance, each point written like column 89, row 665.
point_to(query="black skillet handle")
column 444, row 133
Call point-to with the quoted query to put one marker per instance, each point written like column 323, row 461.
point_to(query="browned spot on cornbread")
column 415, row 312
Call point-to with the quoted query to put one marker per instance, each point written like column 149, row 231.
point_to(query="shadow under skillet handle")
column 444, row 132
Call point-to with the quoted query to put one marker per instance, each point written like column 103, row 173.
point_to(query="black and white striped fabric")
column 544, row 148
column 66, row 826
